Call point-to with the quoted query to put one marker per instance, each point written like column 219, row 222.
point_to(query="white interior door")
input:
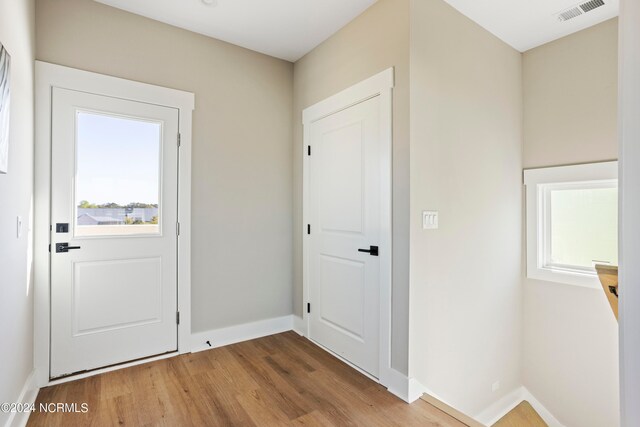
column 344, row 203
column 113, row 231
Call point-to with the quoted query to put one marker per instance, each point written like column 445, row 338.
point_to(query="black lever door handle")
column 373, row 250
column 64, row 247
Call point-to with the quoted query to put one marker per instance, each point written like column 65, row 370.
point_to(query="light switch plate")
column 430, row 220
column 18, row 227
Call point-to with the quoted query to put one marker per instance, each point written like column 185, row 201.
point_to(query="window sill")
column 585, row 280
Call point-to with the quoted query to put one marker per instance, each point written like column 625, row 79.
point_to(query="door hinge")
column 308, row 150
column 177, row 228
column 179, row 140
column 308, row 307
column 308, row 228
column 49, row 247
column 177, row 317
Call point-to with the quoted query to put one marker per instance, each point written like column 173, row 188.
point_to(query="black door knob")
column 64, row 247
column 373, row 250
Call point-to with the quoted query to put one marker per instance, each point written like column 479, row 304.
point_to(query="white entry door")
column 114, row 191
column 344, row 204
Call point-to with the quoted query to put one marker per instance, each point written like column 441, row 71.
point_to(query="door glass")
column 117, row 175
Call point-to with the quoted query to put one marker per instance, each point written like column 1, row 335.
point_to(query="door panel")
column 341, row 283
column 341, row 201
column 344, row 173
column 114, row 204
column 99, row 285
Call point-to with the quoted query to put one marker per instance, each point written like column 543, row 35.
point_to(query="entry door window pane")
column 117, row 175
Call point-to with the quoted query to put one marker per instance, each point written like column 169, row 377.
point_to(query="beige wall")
column 17, row 34
column 570, row 98
column 466, row 162
column 374, row 41
column 241, row 250
column 570, row 335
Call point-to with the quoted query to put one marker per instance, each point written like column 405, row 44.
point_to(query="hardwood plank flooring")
column 280, row 380
column 522, row 415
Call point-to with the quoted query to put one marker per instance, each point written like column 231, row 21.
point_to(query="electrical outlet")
column 495, row 386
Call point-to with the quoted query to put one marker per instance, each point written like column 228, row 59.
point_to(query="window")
column 572, row 222
column 117, row 175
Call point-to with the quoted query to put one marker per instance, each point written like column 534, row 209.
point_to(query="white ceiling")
column 525, row 24
column 286, row 29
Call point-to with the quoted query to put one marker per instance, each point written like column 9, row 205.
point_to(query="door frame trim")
column 49, row 76
column 380, row 85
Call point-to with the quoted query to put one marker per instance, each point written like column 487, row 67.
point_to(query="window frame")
column 539, row 183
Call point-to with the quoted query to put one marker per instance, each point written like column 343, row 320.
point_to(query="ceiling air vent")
column 570, row 14
column 580, row 9
column 590, row 5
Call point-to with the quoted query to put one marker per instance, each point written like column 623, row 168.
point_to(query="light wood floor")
column 282, row 380
column 522, row 415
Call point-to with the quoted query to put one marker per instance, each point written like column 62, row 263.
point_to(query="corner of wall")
column 494, row 412
column 471, row 174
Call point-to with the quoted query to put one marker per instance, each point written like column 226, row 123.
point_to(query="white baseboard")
column 397, row 384
column 235, row 334
column 28, row 395
column 541, row 410
column 500, row 408
column 416, row 390
column 299, row 326
column 407, row 389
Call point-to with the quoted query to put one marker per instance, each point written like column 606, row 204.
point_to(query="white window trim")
column 47, row 77
column 538, row 182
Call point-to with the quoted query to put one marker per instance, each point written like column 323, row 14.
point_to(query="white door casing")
column 356, row 325
column 629, row 243
column 50, row 78
column 114, row 298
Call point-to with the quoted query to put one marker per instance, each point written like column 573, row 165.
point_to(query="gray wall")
column 242, row 164
column 466, row 162
column 17, row 34
column 374, row 41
